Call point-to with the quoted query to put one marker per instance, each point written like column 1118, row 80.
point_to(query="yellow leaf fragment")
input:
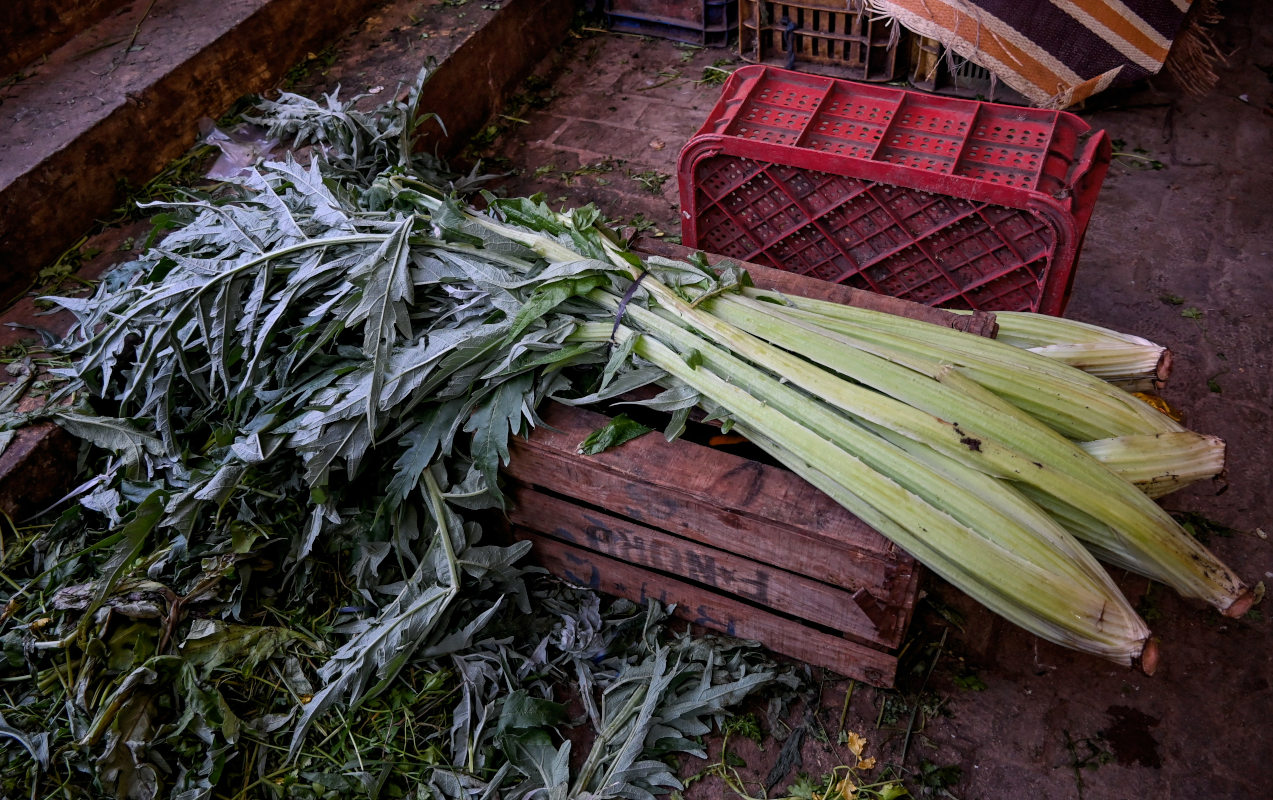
column 846, row 789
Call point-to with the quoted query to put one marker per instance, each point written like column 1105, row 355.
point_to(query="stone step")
column 123, row 98
column 33, row 28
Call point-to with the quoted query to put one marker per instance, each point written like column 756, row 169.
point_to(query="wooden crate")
column 829, row 37
column 739, row 546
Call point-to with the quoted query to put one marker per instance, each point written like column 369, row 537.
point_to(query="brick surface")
column 631, row 100
column 599, row 105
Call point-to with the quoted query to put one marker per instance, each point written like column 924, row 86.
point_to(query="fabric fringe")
column 1194, row 54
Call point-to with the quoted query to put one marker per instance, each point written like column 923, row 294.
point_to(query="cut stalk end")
column 1163, row 371
column 1147, row 662
column 1240, row 606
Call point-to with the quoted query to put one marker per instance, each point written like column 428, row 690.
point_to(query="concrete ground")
column 1177, row 251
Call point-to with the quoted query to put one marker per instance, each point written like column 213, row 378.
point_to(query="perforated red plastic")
column 944, row 201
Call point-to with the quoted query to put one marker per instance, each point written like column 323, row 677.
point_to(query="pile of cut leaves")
column 273, row 581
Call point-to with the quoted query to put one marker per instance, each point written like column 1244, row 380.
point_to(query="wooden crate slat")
column 800, row 551
column 701, row 488
column 766, row 585
column 715, row 611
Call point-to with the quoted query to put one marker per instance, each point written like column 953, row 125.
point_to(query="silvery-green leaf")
column 471, row 492
column 36, row 744
column 255, row 448
column 494, row 421
column 423, row 442
column 478, row 561
column 279, row 212
column 219, row 486
column 382, row 309
column 345, row 440
column 105, row 500
column 321, row 203
column 116, row 435
column 677, row 398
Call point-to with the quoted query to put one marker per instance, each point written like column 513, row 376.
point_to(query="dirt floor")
column 1178, row 250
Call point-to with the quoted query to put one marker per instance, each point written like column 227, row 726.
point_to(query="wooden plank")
column 766, row 585
column 763, row 512
column 904, row 593
column 770, row 515
column 801, row 551
column 717, row 612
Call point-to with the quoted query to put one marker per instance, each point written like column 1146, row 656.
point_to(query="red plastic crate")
column 944, row 201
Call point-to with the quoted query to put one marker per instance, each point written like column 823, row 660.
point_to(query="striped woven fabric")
column 1054, row 52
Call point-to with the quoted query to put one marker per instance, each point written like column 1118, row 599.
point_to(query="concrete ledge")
column 93, row 114
column 472, row 84
column 31, row 28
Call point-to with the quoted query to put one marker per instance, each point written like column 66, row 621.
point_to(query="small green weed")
column 313, row 64
column 850, row 781
column 485, row 137
column 894, row 707
column 1147, row 607
column 1087, row 753
column 56, row 275
column 970, row 681
column 934, row 779
column 726, row 767
column 842, row 784
column 1135, row 158
column 746, row 726
column 717, row 73
column 595, row 169
column 688, row 51
column 651, row 180
column 640, row 223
